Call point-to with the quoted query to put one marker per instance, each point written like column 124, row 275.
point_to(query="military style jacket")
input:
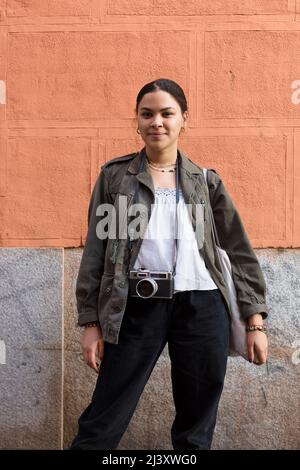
column 102, row 284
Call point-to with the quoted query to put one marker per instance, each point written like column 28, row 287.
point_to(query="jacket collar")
column 185, row 163
column 189, row 174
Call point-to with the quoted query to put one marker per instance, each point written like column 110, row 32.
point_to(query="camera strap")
column 141, row 167
column 176, row 218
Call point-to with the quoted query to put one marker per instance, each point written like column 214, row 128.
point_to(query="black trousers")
column 195, row 324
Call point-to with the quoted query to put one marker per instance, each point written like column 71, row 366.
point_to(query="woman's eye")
column 149, row 114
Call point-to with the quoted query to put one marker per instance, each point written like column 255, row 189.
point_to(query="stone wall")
column 46, row 384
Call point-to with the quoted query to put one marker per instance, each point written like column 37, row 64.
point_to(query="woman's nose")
column 157, row 122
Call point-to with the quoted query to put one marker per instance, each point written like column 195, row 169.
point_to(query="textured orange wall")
column 69, row 74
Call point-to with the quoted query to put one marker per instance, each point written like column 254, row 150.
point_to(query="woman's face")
column 160, row 120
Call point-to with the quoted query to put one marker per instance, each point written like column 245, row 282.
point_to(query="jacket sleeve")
column 92, row 261
column 246, row 271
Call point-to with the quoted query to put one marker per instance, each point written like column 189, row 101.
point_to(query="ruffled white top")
column 157, row 248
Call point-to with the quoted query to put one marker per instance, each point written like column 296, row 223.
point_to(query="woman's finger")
column 92, row 362
column 90, row 359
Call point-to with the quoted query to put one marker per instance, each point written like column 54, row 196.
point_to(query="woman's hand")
column 257, row 345
column 92, row 346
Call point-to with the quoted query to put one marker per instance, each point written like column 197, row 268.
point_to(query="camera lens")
column 146, row 288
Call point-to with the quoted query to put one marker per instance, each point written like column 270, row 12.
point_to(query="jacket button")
column 107, row 290
column 117, row 308
column 122, row 284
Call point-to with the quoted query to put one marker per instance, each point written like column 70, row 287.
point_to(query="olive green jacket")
column 102, row 284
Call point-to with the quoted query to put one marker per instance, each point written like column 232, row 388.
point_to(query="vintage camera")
column 146, row 284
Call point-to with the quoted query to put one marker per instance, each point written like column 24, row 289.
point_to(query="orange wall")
column 69, row 74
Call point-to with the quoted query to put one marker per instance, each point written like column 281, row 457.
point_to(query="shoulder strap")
column 210, row 212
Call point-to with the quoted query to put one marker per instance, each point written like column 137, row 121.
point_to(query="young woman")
column 129, row 312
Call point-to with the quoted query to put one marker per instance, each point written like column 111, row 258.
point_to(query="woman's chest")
column 163, row 179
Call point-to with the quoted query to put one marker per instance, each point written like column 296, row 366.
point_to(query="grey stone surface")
column 72, row 258
column 259, row 408
column 31, row 327
column 31, row 297
column 30, row 406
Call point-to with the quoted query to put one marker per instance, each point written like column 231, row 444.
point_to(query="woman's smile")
column 157, row 136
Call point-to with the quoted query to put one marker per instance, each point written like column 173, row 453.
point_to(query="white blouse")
column 157, row 248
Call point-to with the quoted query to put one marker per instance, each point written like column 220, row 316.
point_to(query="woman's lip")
column 157, row 134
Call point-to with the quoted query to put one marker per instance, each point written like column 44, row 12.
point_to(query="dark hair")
column 167, row 85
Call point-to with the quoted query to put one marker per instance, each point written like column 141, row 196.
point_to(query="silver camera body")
column 146, row 284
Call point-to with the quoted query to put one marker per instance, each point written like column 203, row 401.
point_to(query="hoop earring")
column 138, row 131
column 183, row 129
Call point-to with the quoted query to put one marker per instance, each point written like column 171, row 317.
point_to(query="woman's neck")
column 165, row 157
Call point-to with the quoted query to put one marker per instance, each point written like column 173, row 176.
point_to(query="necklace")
column 159, row 169
column 173, row 165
